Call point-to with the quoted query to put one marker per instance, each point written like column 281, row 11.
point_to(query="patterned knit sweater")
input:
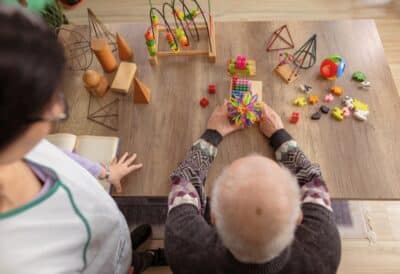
column 193, row 246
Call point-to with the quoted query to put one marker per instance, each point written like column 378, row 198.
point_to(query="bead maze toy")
column 242, row 66
column 277, row 36
column 245, row 106
column 304, row 58
column 177, row 37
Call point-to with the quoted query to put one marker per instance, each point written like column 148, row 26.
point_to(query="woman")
column 54, row 215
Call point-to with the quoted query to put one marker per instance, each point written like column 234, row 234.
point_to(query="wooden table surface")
column 359, row 160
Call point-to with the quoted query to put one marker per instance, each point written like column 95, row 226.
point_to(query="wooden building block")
column 286, row 73
column 124, row 51
column 124, row 77
column 142, row 93
column 104, row 54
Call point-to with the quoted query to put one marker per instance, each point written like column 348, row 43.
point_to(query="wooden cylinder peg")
column 104, row 54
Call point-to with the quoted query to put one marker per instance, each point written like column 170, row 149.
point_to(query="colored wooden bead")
column 204, row 102
column 294, row 118
column 338, row 91
column 313, row 99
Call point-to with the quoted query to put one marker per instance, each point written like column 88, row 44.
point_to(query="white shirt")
column 76, row 227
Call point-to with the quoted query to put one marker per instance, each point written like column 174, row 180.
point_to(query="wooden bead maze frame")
column 187, row 24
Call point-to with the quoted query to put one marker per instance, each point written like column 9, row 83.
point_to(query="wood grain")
column 353, row 155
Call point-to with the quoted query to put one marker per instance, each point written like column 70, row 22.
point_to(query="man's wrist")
column 105, row 172
column 279, row 137
column 212, row 136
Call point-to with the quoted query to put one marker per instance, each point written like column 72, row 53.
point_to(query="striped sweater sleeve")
column 309, row 176
column 188, row 179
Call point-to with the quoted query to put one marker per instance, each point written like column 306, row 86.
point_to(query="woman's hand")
column 219, row 121
column 270, row 121
column 120, row 168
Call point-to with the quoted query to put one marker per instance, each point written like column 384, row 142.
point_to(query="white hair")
column 269, row 242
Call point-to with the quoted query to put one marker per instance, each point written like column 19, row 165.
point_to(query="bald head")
column 255, row 203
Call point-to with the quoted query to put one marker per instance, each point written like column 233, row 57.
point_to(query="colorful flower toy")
column 244, row 109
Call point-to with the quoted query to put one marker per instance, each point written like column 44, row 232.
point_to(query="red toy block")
column 212, row 88
column 294, row 118
column 204, row 102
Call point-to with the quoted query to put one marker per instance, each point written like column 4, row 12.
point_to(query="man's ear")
column 299, row 218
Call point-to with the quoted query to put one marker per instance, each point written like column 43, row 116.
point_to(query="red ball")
column 328, row 68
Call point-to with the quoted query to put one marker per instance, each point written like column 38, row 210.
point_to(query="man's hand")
column 120, row 168
column 270, row 121
column 219, row 121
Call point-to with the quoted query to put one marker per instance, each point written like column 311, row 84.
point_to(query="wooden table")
column 359, row 160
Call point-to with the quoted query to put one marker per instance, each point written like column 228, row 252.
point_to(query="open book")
column 99, row 149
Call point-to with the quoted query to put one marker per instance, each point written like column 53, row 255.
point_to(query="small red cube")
column 294, row 118
column 204, row 102
column 212, row 88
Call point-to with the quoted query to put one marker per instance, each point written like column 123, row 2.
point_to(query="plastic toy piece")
column 329, row 98
column 346, row 111
column 204, row 102
column 348, row 102
column 104, row 54
column 361, row 115
column 338, row 91
column 358, row 105
column 324, row 109
column 142, row 93
column 294, row 118
column 124, row 77
column 305, row 88
column 337, row 113
column 278, row 35
column 242, row 66
column 313, row 99
column 124, row 51
column 359, row 76
column 365, row 85
column 316, row 116
column 95, row 84
column 300, row 102
column 212, row 88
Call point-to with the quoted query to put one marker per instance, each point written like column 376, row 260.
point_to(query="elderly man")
column 267, row 217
